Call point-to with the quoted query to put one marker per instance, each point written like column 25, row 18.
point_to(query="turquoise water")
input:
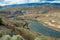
column 38, row 27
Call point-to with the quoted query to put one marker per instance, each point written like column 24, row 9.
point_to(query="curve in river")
column 40, row 28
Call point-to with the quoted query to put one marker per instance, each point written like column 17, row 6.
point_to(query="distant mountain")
column 30, row 4
column 27, row 4
column 1, row 6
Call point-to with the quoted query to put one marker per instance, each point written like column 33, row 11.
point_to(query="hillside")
column 29, row 9
column 18, row 19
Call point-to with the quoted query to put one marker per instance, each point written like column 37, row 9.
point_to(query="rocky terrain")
column 29, row 10
column 13, row 21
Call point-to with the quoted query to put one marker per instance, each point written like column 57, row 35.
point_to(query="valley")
column 31, row 22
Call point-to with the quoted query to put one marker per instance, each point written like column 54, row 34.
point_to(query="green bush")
column 14, row 37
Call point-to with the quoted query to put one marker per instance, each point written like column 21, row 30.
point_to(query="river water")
column 40, row 28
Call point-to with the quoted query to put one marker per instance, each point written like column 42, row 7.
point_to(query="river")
column 40, row 28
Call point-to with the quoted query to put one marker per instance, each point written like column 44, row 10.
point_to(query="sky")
column 10, row 2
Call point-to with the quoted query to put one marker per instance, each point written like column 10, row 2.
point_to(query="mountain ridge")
column 30, row 4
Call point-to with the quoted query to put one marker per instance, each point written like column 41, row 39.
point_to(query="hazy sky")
column 10, row 2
